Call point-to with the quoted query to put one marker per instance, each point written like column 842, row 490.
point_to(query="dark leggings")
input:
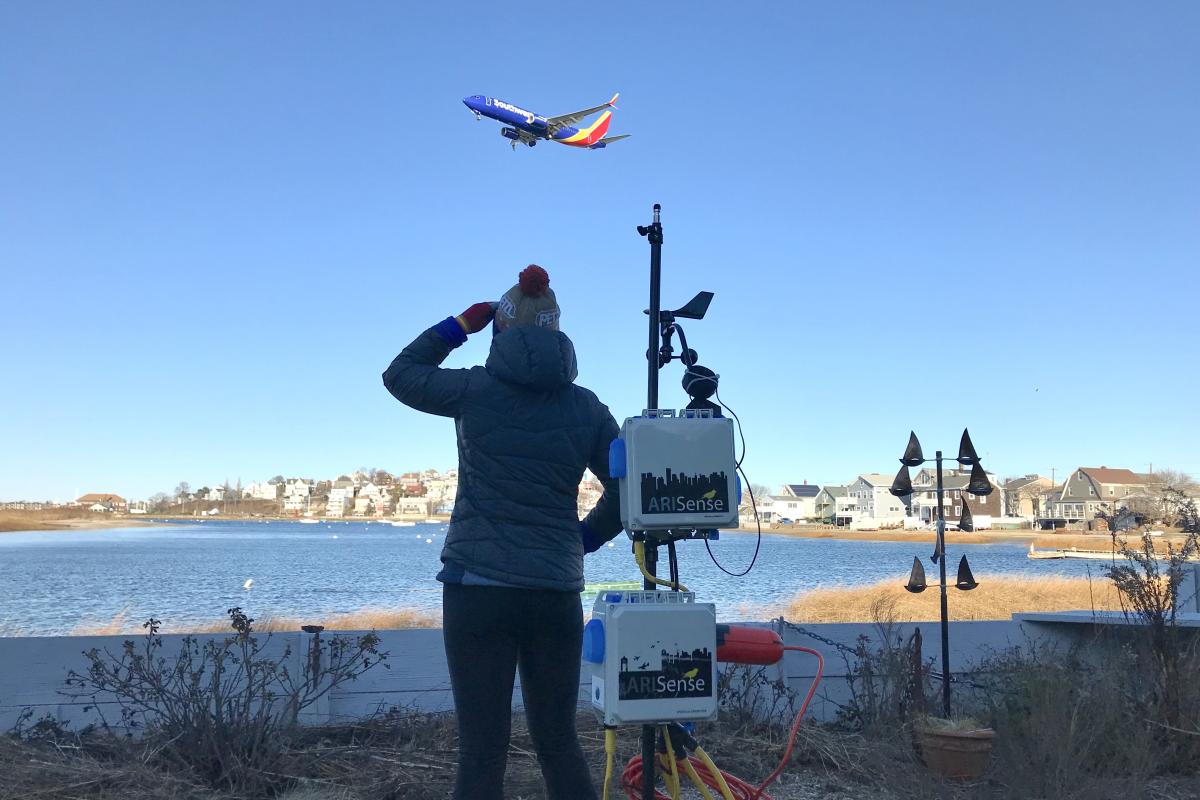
column 490, row 632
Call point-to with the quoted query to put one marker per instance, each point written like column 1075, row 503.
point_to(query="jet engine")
column 539, row 123
column 510, row 133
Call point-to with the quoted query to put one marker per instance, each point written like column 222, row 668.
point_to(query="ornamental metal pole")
column 941, row 552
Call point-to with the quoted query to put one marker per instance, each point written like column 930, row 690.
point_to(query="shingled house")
column 923, row 503
column 1092, row 490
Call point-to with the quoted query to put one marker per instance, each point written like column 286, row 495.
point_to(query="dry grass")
column 366, row 619
column 995, row 598
column 59, row 519
column 1041, row 539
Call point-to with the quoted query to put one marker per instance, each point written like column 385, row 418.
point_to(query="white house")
column 341, row 499
column 413, row 507
column 263, row 491
column 876, row 506
column 800, row 498
column 296, row 496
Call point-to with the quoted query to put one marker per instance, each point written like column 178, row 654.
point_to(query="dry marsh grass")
column 366, row 619
column 995, row 598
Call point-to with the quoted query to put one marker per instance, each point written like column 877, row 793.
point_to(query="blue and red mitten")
column 455, row 329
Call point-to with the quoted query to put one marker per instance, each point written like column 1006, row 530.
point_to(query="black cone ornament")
column 979, row 484
column 966, row 451
column 902, row 485
column 912, row 454
column 966, row 581
column 966, row 522
column 916, row 578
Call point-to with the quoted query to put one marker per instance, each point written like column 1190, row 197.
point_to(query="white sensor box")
column 653, row 657
column 676, row 471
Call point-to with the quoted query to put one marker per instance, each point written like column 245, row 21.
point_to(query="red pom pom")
column 533, row 281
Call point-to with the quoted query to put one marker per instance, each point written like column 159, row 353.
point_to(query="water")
column 54, row 582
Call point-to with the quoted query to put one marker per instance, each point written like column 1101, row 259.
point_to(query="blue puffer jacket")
column 525, row 435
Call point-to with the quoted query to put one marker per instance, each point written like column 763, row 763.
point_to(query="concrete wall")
column 33, row 670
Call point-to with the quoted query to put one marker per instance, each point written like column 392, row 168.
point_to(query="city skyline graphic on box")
column 664, row 675
column 678, row 492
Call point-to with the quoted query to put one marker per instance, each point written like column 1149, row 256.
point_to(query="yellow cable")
column 610, row 749
column 639, row 555
column 695, row 776
column 716, row 773
column 671, row 760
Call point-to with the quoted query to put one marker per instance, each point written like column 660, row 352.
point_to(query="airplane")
column 525, row 127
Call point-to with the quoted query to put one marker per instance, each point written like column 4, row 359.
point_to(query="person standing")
column 512, row 565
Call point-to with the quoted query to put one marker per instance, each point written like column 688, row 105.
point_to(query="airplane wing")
column 556, row 123
column 606, row 142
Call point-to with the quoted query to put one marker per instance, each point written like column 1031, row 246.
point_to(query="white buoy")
column 249, row 582
column 335, row 536
column 429, row 541
column 610, row 544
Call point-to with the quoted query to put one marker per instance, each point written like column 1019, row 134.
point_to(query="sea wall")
column 34, row 670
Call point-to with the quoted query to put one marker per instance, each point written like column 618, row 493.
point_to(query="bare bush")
column 888, row 677
column 1066, row 726
column 223, row 708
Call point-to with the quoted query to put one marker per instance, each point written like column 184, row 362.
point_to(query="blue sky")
column 219, row 223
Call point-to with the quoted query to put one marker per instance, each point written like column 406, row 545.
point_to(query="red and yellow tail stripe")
column 592, row 134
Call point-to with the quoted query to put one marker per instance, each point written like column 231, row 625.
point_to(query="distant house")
column 923, row 501
column 296, row 496
column 876, row 507
column 103, row 501
column 1090, row 491
column 341, row 498
column 263, row 491
column 215, row 494
column 413, row 507
column 799, row 501
column 833, row 505
column 1023, row 496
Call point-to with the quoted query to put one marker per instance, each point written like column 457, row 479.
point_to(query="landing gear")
column 531, row 142
column 478, row 118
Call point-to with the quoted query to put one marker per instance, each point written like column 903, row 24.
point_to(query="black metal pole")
column 941, row 551
column 654, row 235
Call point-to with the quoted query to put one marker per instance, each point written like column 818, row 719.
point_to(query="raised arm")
column 603, row 522
column 415, row 378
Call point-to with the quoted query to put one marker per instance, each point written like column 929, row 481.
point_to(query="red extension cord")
column 631, row 777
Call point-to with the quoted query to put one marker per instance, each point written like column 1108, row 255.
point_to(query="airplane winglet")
column 612, row 103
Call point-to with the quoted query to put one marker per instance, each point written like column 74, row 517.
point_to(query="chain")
column 933, row 674
column 822, row 639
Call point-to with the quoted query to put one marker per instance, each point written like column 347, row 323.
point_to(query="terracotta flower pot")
column 960, row 755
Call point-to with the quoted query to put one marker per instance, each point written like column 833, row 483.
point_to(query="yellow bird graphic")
column 691, row 673
column 710, row 494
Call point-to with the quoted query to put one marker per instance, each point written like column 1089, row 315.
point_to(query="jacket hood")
column 539, row 358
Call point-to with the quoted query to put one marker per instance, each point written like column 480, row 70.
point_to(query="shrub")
column 225, row 708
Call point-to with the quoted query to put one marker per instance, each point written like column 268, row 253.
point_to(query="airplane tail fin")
column 598, row 128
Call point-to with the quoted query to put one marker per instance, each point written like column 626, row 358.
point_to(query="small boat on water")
column 431, row 520
column 309, row 521
column 402, row 523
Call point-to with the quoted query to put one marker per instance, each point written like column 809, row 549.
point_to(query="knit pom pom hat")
column 530, row 302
